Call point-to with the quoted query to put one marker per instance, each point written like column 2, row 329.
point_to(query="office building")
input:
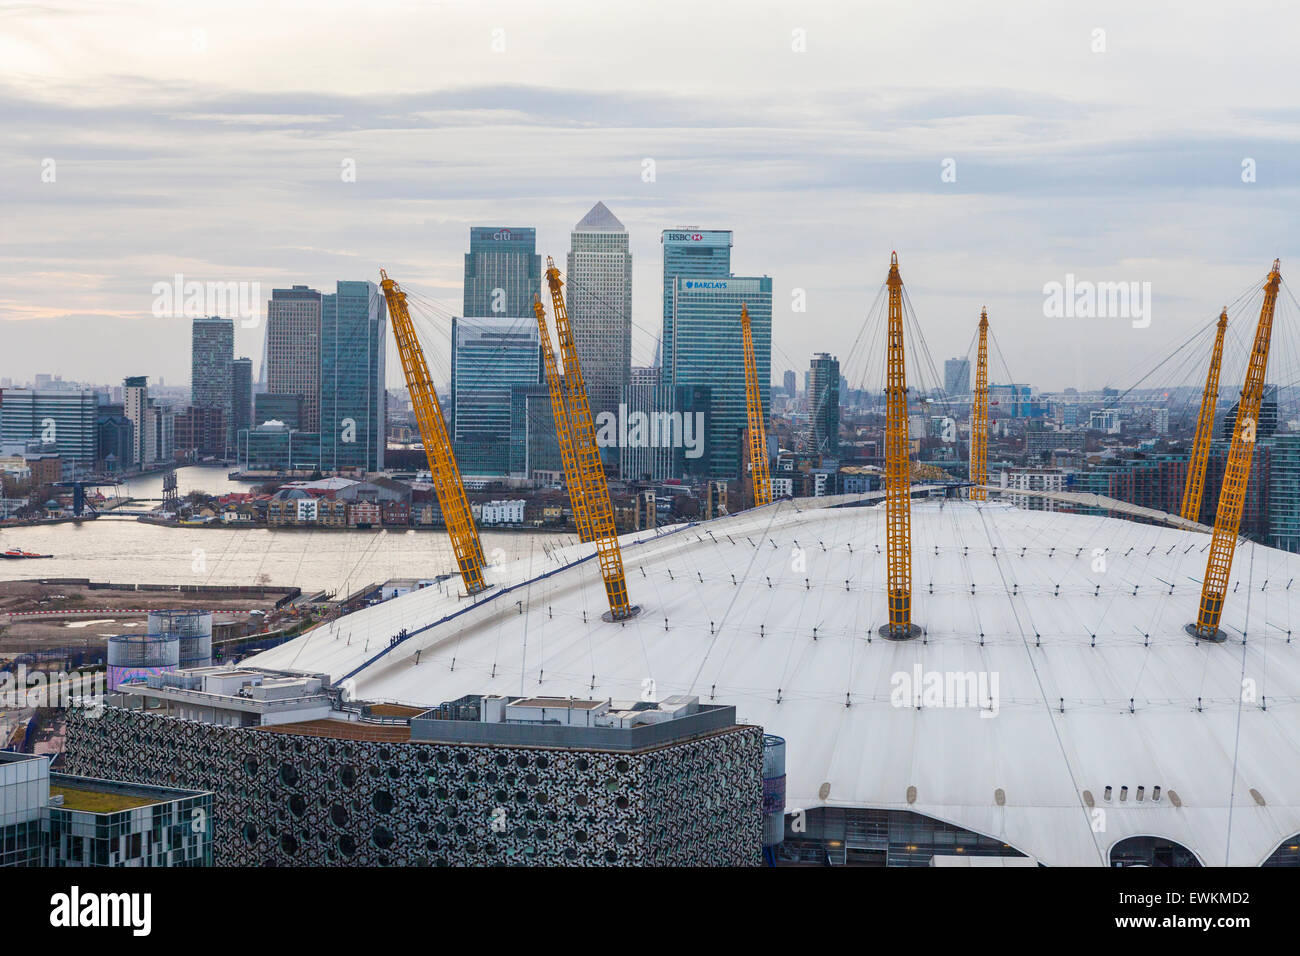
column 956, row 377
column 268, row 407
column 64, row 820
column 490, row 355
column 353, row 337
column 599, row 299
column 789, row 385
column 649, row 453
column 212, row 355
column 293, row 359
column 242, row 393
column 66, row 420
column 503, row 272
column 824, row 403
column 200, row 431
column 303, row 777
column 707, row 350
column 534, row 445
column 693, row 253
column 1284, row 493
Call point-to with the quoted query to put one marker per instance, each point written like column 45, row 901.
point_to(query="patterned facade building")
column 310, row 794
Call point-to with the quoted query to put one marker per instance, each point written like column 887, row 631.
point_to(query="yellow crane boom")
column 898, row 477
column 759, row 470
column 447, row 484
column 563, row 433
column 595, row 491
column 979, row 419
column 1195, row 487
column 1236, row 474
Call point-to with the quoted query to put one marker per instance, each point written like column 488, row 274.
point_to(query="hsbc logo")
column 685, row 237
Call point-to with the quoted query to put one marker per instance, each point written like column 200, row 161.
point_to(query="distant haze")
column 212, row 139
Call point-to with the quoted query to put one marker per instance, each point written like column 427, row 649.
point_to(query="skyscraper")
column 696, row 253
column 599, row 298
column 502, row 272
column 212, row 354
column 789, row 383
column 490, row 355
column 135, row 402
column 708, row 351
column 242, row 393
column 824, row 403
column 353, row 328
column 956, row 377
column 293, row 319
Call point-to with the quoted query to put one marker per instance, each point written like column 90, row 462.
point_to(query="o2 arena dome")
column 1053, row 705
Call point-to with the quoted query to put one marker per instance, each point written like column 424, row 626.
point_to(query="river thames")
column 124, row 550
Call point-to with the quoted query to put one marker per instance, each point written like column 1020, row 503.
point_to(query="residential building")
column 212, row 377
column 824, row 403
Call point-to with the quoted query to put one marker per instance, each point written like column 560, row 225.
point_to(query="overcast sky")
column 208, row 139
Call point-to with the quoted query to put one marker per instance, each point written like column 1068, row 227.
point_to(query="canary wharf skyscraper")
column 599, row 298
column 502, row 272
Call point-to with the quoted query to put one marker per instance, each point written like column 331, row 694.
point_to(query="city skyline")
column 233, row 174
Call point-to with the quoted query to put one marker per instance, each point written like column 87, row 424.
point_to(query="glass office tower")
column 353, row 327
column 695, row 253
column 490, row 355
column 708, row 351
column 502, row 272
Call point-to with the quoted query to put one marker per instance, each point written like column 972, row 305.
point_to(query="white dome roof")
column 1071, row 624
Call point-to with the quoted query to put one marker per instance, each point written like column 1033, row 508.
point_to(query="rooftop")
column 1074, row 623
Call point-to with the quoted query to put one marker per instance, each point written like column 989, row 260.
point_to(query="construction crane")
column 1195, row 486
column 564, row 435
column 979, row 418
column 447, row 484
column 898, row 483
column 595, row 491
column 1236, row 474
column 758, row 465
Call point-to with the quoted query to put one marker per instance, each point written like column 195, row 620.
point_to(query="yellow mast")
column 979, row 421
column 758, row 465
column 898, row 485
column 1195, row 487
column 595, row 491
column 447, row 484
column 563, row 433
column 1236, row 474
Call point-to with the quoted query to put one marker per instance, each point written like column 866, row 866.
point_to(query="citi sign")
column 685, row 237
column 501, row 235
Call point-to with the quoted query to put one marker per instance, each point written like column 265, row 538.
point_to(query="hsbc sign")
column 685, row 237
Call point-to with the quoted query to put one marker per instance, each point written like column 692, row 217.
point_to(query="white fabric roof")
column 1020, row 597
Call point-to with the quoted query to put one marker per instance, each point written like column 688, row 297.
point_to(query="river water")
column 124, row 550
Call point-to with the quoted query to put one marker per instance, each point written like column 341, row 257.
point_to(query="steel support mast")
column 759, row 470
column 447, row 484
column 1236, row 474
column 979, row 419
column 898, row 477
column 595, row 491
column 1195, row 487
column 563, row 433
